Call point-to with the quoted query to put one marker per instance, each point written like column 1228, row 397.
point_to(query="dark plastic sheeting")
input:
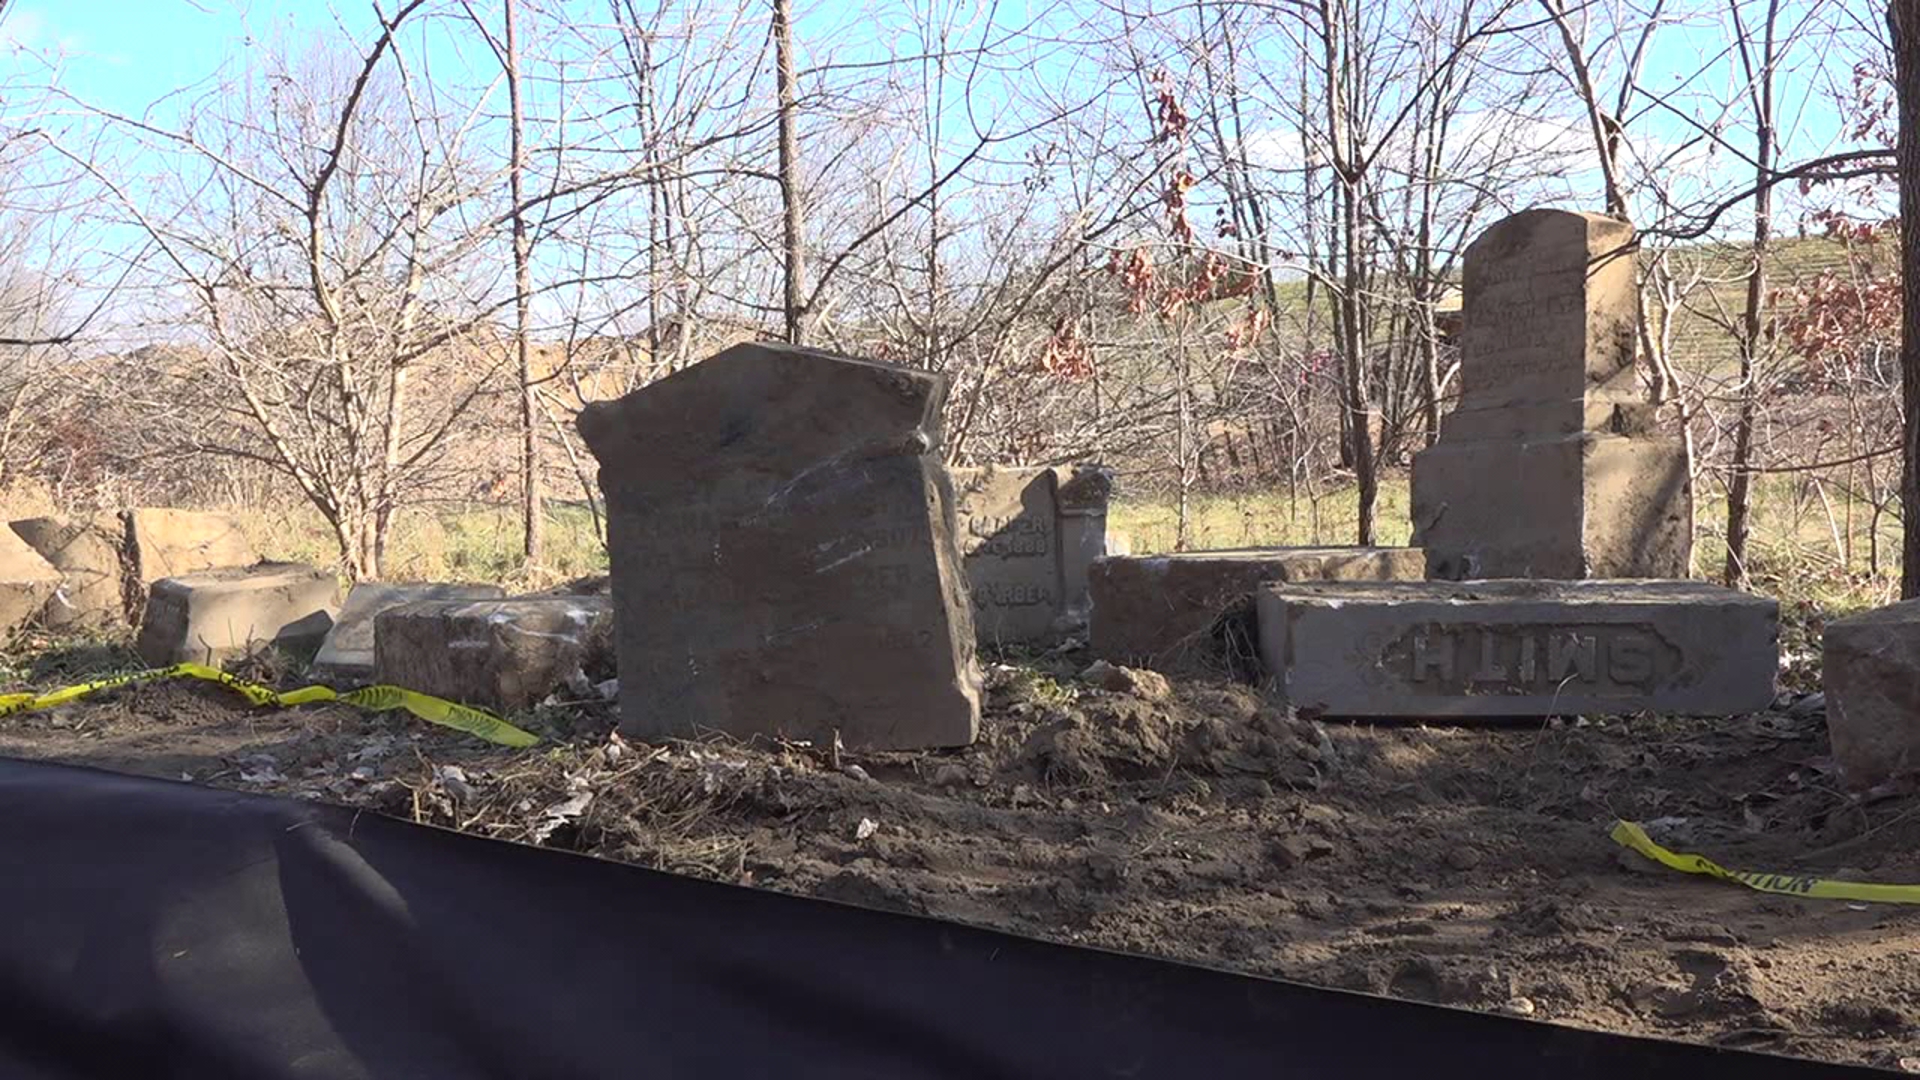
column 156, row 929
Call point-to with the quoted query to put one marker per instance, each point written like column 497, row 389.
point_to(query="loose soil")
column 1464, row 865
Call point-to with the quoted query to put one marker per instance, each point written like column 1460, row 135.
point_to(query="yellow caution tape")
column 372, row 698
column 1627, row 834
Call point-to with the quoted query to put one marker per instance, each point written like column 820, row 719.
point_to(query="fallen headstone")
column 216, row 615
column 1554, row 464
column 1192, row 610
column 784, row 563
column 499, row 654
column 347, row 653
column 90, row 555
column 1870, row 669
column 1518, row 648
column 1028, row 538
column 163, row 543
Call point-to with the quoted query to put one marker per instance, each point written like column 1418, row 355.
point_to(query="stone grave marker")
column 347, row 655
column 27, row 582
column 1518, row 648
column 90, row 555
column 1553, row 465
column 784, row 564
column 498, row 654
column 1870, row 670
column 215, row 615
column 1176, row 612
column 1028, row 539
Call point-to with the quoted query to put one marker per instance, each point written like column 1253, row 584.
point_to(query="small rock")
column 1141, row 683
column 857, row 773
column 865, row 830
column 950, row 776
column 1463, row 858
column 1021, row 796
column 1813, row 704
column 1518, row 1006
column 1290, row 851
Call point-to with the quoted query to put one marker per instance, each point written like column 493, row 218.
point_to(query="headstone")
column 1028, row 538
column 347, row 653
column 1870, row 669
column 215, row 615
column 27, row 582
column 90, row 555
column 165, row 543
column 1552, row 466
column 1518, row 648
column 1192, row 610
column 781, row 531
column 498, row 654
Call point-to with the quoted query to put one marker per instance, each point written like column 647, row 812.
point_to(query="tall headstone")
column 1553, row 465
column 1028, row 537
column 783, row 553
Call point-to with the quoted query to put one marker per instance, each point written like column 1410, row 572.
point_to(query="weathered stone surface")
column 27, row 581
column 1552, row 466
column 166, row 543
column 1177, row 612
column 89, row 553
column 1518, row 648
column 215, row 615
column 1028, row 538
column 783, row 553
column 1870, row 667
column 347, row 653
column 499, row 654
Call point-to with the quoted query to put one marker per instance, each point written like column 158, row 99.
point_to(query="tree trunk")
column 532, row 519
column 1755, row 334
column 1903, row 16
column 795, row 302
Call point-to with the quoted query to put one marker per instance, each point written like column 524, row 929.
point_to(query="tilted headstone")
column 89, row 553
column 1028, row 537
column 1552, row 466
column 1192, row 609
column 1518, row 648
column 781, row 532
column 27, row 582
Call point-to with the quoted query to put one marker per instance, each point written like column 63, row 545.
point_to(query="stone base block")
column 1585, row 505
column 1518, row 648
column 214, row 616
column 88, row 553
column 1870, row 665
column 346, row 656
column 1166, row 611
column 498, row 654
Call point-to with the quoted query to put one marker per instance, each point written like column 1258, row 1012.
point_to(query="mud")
column 1465, row 865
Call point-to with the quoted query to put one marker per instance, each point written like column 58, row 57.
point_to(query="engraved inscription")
column 1596, row 658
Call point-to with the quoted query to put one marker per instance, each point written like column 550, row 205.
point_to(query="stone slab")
column 1555, row 464
column 498, row 654
column 1028, row 539
column 163, row 542
column 781, row 532
column 1518, row 648
column 89, row 554
column 1166, row 611
column 347, row 653
column 27, row 582
column 1870, row 669
column 216, row 615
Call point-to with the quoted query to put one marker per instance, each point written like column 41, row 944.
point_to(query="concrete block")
column 1166, row 611
column 213, row 616
column 1870, row 665
column 27, row 582
column 1518, row 648
column 497, row 654
column 346, row 656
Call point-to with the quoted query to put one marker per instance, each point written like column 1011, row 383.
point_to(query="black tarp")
column 155, row 929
